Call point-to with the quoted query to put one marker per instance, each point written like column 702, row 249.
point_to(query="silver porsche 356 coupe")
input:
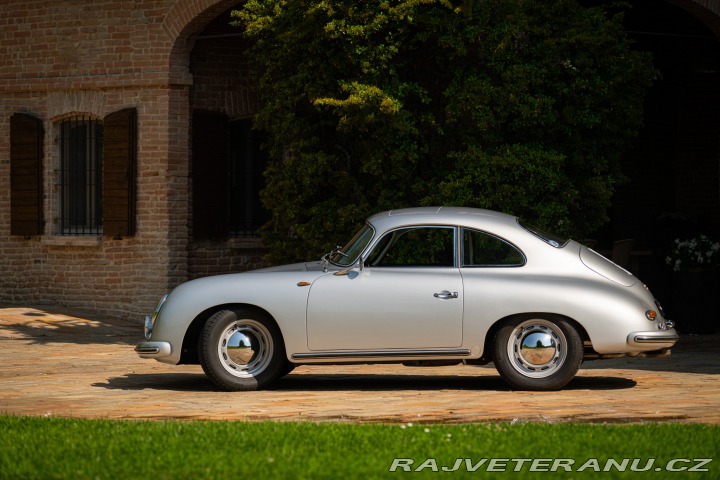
column 422, row 287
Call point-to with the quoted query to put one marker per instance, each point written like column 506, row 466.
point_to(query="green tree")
column 523, row 107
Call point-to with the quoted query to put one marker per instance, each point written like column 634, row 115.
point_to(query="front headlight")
column 150, row 319
column 148, row 327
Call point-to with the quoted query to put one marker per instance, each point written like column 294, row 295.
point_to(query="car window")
column 481, row 249
column 415, row 247
column 549, row 238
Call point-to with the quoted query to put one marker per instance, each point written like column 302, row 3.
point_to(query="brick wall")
column 121, row 277
column 65, row 57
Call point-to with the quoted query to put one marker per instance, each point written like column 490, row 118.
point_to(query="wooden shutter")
column 26, row 180
column 210, row 174
column 119, row 173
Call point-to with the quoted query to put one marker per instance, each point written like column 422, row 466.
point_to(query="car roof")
column 470, row 217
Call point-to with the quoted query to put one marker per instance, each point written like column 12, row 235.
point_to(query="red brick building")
column 127, row 164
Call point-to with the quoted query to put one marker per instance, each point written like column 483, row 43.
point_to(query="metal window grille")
column 81, row 147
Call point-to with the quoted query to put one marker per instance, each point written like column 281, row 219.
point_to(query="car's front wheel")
column 241, row 349
column 537, row 353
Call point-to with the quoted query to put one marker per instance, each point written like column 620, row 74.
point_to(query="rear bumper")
column 653, row 340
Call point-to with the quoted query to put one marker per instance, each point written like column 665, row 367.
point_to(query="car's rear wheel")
column 537, row 353
column 241, row 349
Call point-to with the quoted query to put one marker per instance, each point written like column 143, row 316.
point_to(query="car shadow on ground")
column 177, row 382
column 299, row 382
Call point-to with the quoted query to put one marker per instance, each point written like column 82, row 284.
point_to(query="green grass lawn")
column 40, row 448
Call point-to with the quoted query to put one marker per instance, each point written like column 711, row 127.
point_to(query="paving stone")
column 73, row 364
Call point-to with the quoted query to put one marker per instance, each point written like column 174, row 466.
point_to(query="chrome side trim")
column 380, row 353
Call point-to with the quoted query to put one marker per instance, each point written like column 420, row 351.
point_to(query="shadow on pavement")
column 191, row 382
column 46, row 325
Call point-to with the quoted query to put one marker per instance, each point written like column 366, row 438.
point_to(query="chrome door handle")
column 446, row 294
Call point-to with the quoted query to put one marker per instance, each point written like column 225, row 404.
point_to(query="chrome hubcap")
column 537, row 348
column 245, row 348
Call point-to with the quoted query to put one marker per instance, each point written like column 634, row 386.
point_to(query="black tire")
column 241, row 350
column 287, row 369
column 537, row 352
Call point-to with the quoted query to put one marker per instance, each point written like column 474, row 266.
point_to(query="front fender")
column 282, row 294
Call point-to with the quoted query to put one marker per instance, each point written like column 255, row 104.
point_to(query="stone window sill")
column 72, row 241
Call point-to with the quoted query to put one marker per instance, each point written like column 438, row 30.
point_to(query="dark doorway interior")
column 673, row 187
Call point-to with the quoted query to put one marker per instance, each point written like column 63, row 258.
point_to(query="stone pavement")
column 62, row 363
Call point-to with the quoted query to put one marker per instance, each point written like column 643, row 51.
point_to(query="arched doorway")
column 673, row 170
column 227, row 161
column 673, row 167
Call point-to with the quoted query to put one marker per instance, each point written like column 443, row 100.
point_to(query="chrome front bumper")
column 153, row 349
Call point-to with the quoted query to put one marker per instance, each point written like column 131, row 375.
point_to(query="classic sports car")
column 422, row 287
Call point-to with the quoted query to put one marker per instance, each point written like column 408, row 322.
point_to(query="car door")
column 408, row 295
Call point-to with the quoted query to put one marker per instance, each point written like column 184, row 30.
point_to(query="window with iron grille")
column 81, row 176
column 247, row 164
column 227, row 177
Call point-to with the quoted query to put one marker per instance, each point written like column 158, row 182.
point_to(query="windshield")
column 348, row 255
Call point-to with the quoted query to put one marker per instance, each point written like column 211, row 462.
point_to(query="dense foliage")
column 523, row 107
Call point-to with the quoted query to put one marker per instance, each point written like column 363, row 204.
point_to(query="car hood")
column 318, row 266
column 606, row 268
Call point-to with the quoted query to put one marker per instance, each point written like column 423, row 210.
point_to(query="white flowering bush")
column 699, row 252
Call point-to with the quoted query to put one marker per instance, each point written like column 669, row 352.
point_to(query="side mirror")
column 359, row 265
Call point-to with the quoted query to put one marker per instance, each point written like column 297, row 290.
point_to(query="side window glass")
column 483, row 250
column 415, row 247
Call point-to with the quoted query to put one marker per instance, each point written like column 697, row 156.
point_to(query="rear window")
column 549, row 238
